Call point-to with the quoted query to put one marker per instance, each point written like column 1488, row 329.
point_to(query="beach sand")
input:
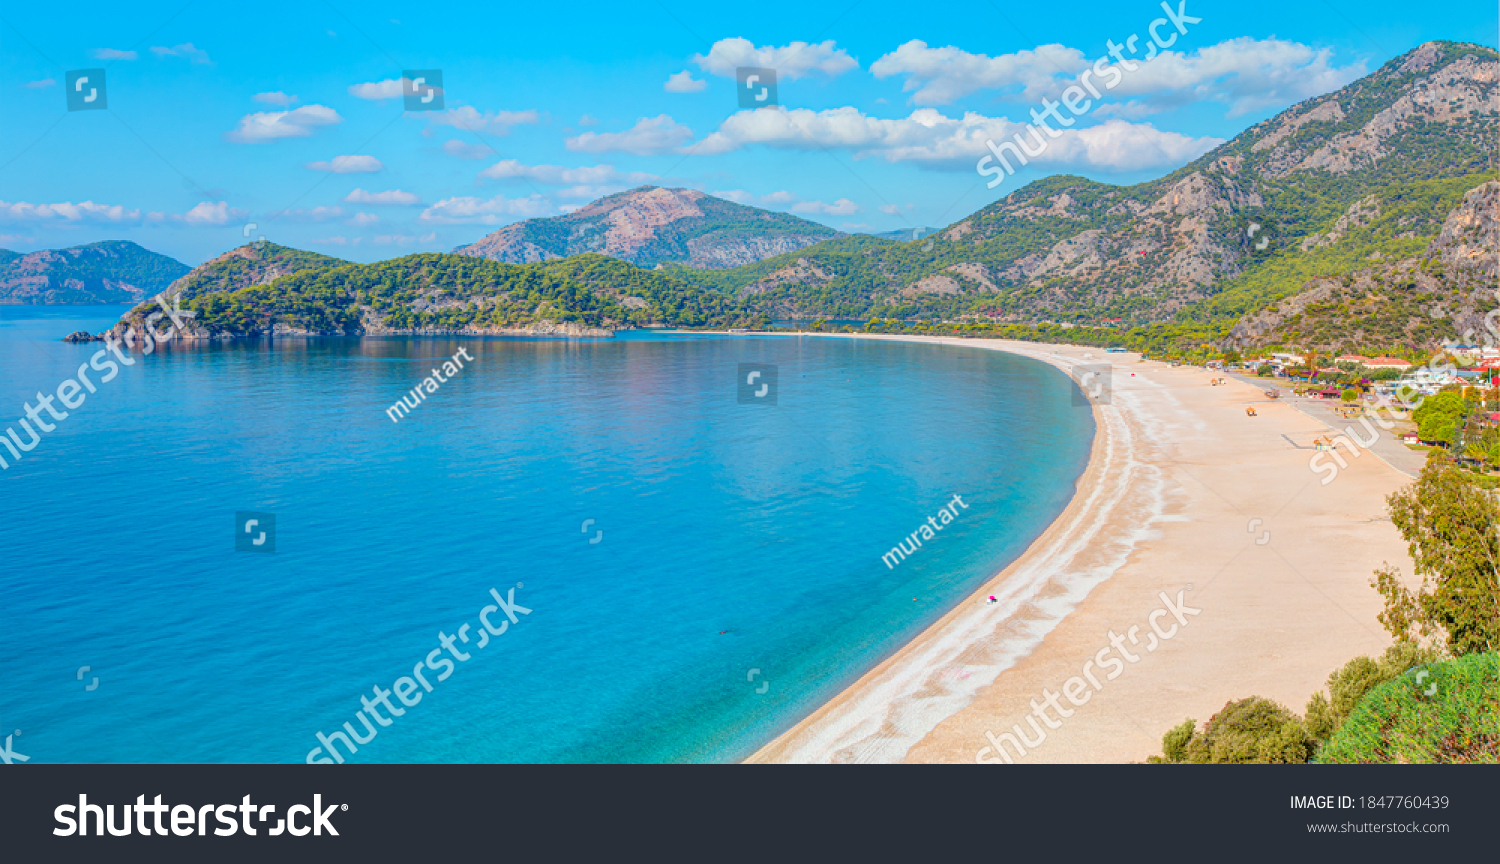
column 1182, row 489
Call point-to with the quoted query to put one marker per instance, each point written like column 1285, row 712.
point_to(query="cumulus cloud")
column 66, row 212
column 942, row 75
column 1248, row 74
column 683, row 82
column 275, row 97
column 841, row 207
column 390, row 197
column 495, row 122
column 185, row 50
column 271, row 125
column 113, row 54
column 212, row 213
column 588, row 120
column 796, row 60
column 557, row 175
column 43, row 83
column 930, row 138
column 650, row 135
column 481, row 211
column 390, row 88
column 348, row 165
column 1245, row 73
column 360, row 220
column 88, row 212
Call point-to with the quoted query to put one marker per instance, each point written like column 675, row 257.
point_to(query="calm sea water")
column 736, row 582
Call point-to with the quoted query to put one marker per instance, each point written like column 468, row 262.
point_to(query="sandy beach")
column 1187, row 504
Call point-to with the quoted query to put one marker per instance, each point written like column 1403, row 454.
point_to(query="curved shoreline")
column 1180, row 481
column 943, row 667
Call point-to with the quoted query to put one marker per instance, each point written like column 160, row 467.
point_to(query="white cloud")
column 1246, row 73
column 348, row 165
column 67, row 212
column 186, row 49
column 270, row 125
column 492, row 211
column 588, row 120
column 113, row 54
column 38, row 85
column 890, row 209
column 930, row 138
column 792, row 61
column 214, row 213
column 941, row 75
column 359, row 220
column 390, row 197
column 495, row 122
column 556, row 175
column 776, row 199
column 683, row 82
column 738, row 196
column 334, row 241
column 203, row 213
column 390, row 88
column 841, row 207
column 455, row 147
column 275, row 97
column 650, row 135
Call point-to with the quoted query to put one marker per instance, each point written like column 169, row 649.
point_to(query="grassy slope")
column 1398, row 722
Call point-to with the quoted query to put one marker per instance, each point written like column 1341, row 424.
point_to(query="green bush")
column 1348, row 685
column 1451, row 714
column 1254, row 730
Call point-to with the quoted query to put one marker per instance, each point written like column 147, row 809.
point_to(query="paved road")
column 1388, row 447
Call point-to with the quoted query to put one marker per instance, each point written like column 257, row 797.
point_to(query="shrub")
column 1450, row 714
column 1254, row 730
column 1348, row 685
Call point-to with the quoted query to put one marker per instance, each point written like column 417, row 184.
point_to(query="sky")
column 228, row 122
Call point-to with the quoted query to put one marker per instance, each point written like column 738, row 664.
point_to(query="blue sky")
column 281, row 114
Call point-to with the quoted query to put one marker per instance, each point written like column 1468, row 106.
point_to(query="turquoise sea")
column 730, row 580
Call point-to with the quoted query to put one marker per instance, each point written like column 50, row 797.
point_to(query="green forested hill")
column 457, row 292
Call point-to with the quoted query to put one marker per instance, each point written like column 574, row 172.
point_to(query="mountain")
column 651, row 225
column 1074, row 250
column 113, row 271
column 1440, row 294
column 584, row 295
